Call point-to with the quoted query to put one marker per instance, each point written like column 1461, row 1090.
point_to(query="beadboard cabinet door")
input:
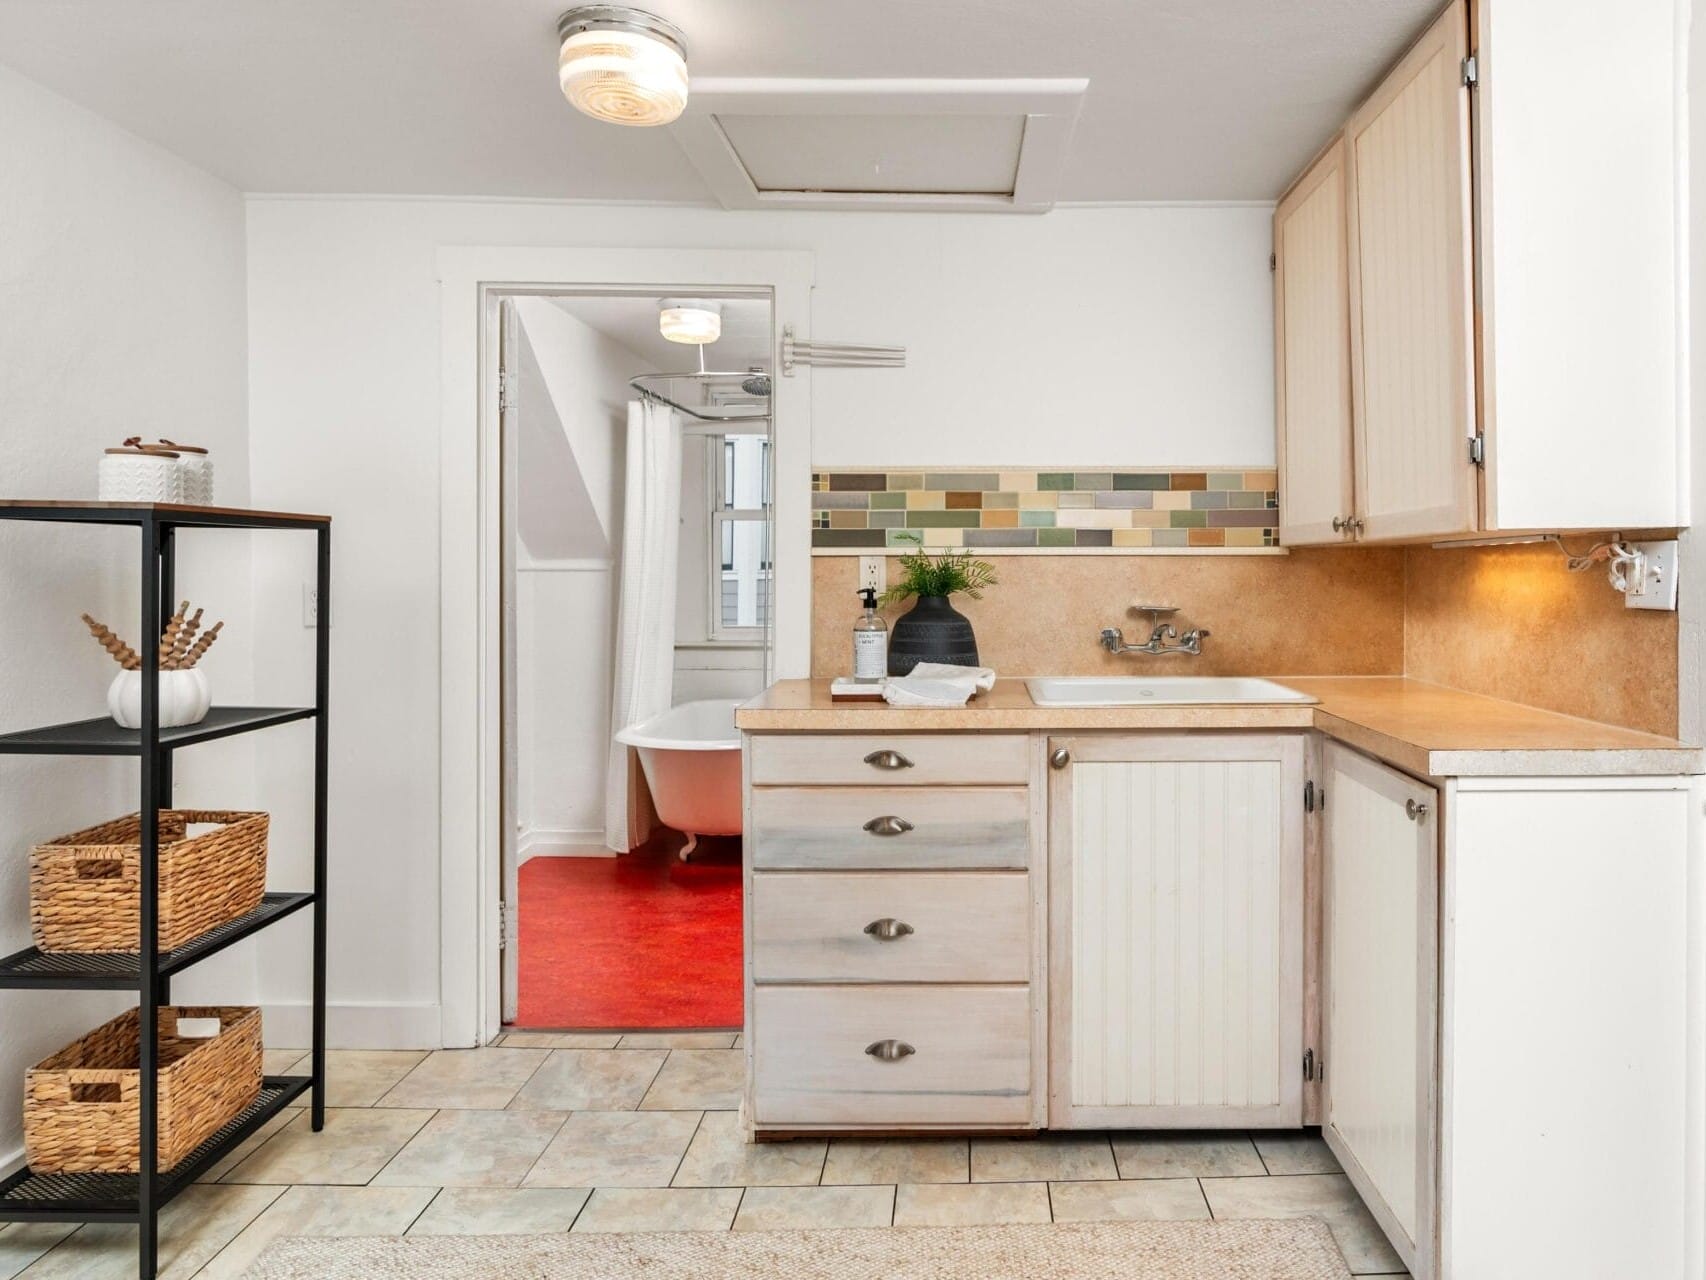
column 1176, row 931
column 1312, row 354
column 1381, row 966
column 1412, row 294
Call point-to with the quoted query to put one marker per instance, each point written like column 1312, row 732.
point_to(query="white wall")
column 569, row 515
column 1020, row 332
column 121, row 312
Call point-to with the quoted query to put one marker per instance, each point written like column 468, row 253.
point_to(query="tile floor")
column 574, row 1132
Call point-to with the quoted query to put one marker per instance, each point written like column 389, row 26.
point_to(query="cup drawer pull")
column 890, row 1050
column 888, row 760
column 888, row 825
column 888, row 929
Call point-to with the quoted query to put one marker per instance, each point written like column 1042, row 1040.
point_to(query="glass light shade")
column 624, row 77
column 691, row 324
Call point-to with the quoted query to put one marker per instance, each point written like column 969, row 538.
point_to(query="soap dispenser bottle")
column 870, row 642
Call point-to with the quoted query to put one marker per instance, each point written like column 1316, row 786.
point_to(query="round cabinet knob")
column 888, row 929
column 888, row 825
column 888, row 760
column 1415, row 812
column 890, row 1050
column 1059, row 758
column 1342, row 524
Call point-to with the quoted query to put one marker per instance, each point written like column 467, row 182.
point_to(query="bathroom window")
column 741, row 571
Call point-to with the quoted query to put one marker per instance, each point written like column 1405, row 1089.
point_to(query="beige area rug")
column 1289, row 1249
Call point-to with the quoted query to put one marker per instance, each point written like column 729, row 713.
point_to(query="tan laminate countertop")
column 1425, row 728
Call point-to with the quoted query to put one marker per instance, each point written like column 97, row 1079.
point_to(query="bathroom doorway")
column 638, row 599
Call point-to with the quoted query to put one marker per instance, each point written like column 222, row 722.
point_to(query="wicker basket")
column 85, row 887
column 82, row 1105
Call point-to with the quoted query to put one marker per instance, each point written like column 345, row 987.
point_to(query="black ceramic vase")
column 931, row 631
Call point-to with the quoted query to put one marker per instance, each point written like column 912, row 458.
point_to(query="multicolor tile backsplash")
column 1044, row 510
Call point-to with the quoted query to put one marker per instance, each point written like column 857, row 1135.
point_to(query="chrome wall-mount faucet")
column 1189, row 645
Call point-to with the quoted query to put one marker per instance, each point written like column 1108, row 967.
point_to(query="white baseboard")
column 561, row 842
column 356, row 1026
column 11, row 1161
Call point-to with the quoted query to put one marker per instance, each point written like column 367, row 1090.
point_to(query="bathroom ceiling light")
column 622, row 65
column 690, row 320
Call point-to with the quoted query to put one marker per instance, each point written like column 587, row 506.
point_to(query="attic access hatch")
column 968, row 145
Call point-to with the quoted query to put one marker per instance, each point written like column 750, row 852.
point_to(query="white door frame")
column 470, row 697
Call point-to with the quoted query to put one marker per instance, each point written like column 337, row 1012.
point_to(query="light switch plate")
column 1660, row 585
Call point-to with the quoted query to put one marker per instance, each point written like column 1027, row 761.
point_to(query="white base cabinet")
column 1570, row 1101
column 1176, row 931
column 1511, row 1063
column 951, row 932
column 1380, row 922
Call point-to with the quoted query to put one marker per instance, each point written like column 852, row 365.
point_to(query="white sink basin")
column 1157, row 691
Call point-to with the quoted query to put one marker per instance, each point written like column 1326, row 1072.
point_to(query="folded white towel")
column 937, row 684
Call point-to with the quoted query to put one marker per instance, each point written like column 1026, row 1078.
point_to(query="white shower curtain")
column 645, row 613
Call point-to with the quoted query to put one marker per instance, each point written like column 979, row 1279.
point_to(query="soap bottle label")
column 870, row 655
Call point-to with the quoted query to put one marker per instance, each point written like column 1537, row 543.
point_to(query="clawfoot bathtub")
column 691, row 757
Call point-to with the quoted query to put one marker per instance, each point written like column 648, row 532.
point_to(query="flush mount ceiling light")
column 690, row 320
column 622, row 65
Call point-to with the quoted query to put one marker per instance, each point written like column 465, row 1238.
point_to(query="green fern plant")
column 950, row 573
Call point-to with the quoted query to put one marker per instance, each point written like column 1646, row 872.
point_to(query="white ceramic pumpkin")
column 184, row 698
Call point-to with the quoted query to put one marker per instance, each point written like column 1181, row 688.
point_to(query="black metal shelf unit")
column 27, row 1196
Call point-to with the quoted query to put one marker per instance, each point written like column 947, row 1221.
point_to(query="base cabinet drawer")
column 891, row 927
column 889, row 760
column 890, row 828
column 875, row 1056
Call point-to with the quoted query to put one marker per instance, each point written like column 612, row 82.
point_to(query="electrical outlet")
column 874, row 573
column 310, row 605
column 1657, row 589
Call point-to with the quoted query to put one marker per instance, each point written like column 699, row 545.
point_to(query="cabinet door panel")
column 1312, row 354
column 1381, row 944
column 1411, row 293
column 1176, row 903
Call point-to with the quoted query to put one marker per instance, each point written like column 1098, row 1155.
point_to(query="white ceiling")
column 633, row 322
column 1188, row 99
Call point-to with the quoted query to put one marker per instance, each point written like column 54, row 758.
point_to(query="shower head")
column 756, row 384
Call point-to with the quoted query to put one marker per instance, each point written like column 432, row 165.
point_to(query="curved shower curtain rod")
column 638, row 382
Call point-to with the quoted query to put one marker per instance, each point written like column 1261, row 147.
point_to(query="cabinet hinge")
column 1471, row 72
column 1478, row 450
column 1309, row 797
column 1273, row 262
column 506, row 391
column 506, row 926
column 1313, row 1068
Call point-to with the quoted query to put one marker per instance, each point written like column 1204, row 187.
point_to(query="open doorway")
column 638, row 593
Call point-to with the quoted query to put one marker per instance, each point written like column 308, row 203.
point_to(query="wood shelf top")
column 76, row 512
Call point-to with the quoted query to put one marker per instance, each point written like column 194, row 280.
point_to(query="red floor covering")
column 638, row 941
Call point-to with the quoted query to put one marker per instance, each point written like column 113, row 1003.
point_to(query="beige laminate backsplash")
column 1504, row 621
column 1337, row 612
column 1513, row 623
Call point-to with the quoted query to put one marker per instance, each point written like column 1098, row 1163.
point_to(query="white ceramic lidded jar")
column 141, row 474
column 197, row 468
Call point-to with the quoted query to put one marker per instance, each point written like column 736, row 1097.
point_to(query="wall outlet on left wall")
column 310, row 604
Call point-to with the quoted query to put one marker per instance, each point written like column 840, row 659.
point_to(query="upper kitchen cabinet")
column 1312, row 325
column 1582, row 207
column 1411, row 294
column 1511, row 294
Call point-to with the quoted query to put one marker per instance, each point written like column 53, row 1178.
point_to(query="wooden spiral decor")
column 180, row 646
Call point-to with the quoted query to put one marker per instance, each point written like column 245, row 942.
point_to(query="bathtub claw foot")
column 690, row 846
